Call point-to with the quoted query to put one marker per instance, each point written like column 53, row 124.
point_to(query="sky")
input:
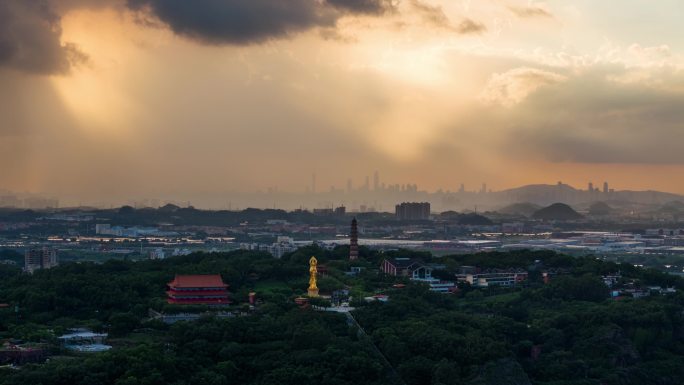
column 108, row 100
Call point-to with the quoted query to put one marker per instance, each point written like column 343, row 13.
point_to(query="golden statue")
column 313, row 271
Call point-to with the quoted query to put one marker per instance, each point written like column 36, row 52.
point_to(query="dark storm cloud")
column 30, row 38
column 362, row 6
column 237, row 21
column 248, row 22
column 30, row 30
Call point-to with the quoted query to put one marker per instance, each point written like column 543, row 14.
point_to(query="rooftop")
column 209, row 280
column 403, row 263
column 82, row 335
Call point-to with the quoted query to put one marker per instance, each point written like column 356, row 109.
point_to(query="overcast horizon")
column 109, row 100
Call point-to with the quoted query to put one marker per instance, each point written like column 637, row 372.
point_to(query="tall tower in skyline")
column 354, row 241
column 590, row 188
column 605, row 187
column 376, row 181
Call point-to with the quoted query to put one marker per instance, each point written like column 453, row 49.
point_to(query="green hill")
column 557, row 212
column 673, row 207
column 600, row 208
column 523, row 208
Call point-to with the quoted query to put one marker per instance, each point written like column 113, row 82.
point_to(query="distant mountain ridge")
column 385, row 199
column 524, row 208
column 545, row 194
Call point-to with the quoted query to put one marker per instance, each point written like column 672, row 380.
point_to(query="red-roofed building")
column 198, row 290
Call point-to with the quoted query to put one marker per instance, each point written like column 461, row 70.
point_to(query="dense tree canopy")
column 567, row 331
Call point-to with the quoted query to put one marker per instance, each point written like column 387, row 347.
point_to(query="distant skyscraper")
column 590, row 188
column 376, row 181
column 354, row 241
column 462, row 188
column 605, row 187
column 349, row 185
column 367, row 186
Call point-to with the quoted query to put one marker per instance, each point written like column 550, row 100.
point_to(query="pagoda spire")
column 354, row 241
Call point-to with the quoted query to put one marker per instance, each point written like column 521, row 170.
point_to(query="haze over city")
column 105, row 101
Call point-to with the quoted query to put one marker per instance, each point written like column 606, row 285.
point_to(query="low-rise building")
column 157, row 253
column 11, row 354
column 513, row 228
column 549, row 274
column 417, row 271
column 611, row 279
column 283, row 245
column 441, row 286
column 84, row 341
column 494, row 277
column 405, row 267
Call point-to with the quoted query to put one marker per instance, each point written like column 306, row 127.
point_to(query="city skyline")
column 365, row 197
column 105, row 101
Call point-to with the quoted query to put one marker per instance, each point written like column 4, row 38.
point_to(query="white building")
column 157, row 253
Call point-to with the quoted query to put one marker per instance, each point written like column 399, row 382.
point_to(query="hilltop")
column 544, row 194
column 557, row 211
column 600, row 208
column 524, row 208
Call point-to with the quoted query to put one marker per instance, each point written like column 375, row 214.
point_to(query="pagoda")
column 354, row 241
column 197, row 290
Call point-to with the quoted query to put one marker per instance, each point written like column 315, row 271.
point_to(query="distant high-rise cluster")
column 354, row 241
column 28, row 202
column 592, row 189
column 412, row 211
column 368, row 185
column 40, row 258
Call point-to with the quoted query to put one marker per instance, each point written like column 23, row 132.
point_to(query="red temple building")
column 198, row 290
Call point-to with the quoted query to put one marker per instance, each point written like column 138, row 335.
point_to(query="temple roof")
column 194, row 293
column 213, row 280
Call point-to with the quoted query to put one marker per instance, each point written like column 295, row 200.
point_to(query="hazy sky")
column 105, row 100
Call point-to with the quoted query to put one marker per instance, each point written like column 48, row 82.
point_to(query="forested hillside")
column 565, row 331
